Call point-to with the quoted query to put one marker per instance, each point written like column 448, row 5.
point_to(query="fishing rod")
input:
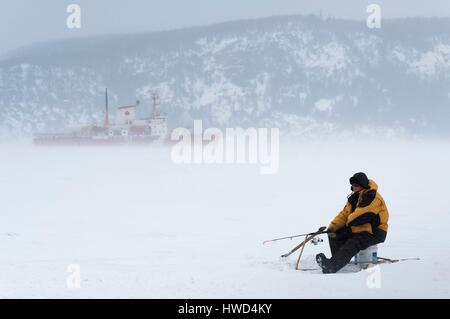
column 322, row 230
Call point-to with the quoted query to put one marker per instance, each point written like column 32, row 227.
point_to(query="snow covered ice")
column 139, row 226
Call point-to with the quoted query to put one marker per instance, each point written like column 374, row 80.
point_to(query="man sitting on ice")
column 361, row 224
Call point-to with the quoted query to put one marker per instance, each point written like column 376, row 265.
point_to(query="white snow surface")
column 140, row 226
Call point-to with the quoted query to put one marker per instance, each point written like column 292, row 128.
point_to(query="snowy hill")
column 300, row 73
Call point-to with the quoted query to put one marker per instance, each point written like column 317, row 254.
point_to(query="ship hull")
column 60, row 139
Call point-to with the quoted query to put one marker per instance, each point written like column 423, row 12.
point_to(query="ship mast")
column 106, row 124
column 155, row 99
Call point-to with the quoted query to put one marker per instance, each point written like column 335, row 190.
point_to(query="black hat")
column 361, row 179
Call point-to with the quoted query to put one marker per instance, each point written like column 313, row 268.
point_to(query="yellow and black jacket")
column 364, row 212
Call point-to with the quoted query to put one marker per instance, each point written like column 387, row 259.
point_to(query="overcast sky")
column 23, row 22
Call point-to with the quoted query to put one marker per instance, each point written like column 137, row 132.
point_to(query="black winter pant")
column 346, row 245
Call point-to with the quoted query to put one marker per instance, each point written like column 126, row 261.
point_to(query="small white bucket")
column 369, row 255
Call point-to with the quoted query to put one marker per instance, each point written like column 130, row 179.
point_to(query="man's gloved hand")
column 331, row 232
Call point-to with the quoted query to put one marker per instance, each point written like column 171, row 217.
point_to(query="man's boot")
column 325, row 264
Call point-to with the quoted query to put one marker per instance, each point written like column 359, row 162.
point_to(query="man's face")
column 357, row 187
